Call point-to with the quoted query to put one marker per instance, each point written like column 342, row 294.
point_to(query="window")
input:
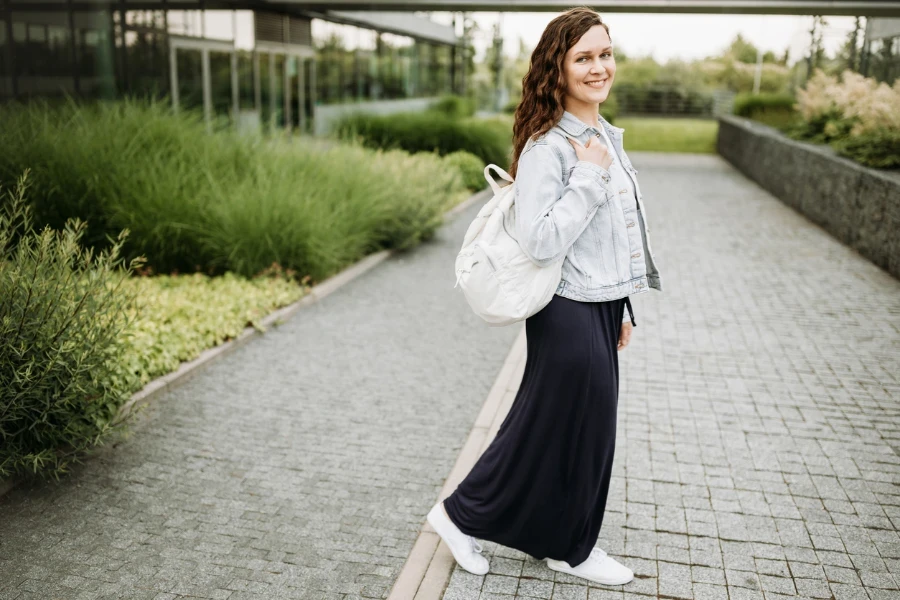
column 44, row 62
column 146, row 53
column 96, row 63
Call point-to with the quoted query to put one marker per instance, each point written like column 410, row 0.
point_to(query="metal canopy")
column 871, row 8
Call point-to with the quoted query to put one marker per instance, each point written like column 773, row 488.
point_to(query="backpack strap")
column 503, row 175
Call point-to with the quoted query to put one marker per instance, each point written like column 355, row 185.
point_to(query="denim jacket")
column 575, row 208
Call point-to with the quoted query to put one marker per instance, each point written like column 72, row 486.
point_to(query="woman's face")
column 589, row 67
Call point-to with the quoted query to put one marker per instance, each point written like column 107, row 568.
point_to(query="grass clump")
column 222, row 202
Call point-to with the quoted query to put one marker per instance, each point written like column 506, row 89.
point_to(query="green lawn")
column 657, row 134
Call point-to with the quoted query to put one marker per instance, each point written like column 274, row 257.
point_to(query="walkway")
column 759, row 420
column 758, row 448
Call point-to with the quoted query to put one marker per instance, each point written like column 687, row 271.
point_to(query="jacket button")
column 638, row 286
column 629, row 224
column 636, row 255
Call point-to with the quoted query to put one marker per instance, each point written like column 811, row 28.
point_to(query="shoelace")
column 476, row 547
column 597, row 555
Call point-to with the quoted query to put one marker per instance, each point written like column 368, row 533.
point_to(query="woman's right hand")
column 594, row 151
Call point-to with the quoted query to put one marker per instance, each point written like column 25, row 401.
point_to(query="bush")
column 879, row 149
column 745, row 105
column 421, row 132
column 471, row 169
column 776, row 110
column 858, row 116
column 61, row 314
column 455, row 107
column 175, row 318
column 222, row 202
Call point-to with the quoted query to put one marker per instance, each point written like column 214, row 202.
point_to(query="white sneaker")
column 465, row 549
column 598, row 568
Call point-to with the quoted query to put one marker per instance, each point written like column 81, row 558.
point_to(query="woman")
column 541, row 485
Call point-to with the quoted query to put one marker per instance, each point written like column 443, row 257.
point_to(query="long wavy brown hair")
column 544, row 86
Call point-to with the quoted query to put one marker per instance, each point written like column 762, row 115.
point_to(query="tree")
column 742, row 50
column 467, row 48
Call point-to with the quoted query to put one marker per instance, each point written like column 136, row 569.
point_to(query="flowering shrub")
column 871, row 105
column 857, row 115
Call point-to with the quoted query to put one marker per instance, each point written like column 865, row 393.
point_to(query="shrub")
column 455, row 107
column 175, row 318
column 471, row 169
column 62, row 309
column 858, row 116
column 878, row 149
column 221, row 202
column 745, row 105
column 422, row 132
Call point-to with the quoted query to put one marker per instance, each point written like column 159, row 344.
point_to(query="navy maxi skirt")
column 541, row 485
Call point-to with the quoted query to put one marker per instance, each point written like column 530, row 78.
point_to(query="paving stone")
column 756, row 454
column 534, row 588
column 500, row 584
column 566, row 591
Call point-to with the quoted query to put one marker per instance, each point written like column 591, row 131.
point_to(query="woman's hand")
column 624, row 335
column 594, row 151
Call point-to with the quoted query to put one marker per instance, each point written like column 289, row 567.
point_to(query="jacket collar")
column 575, row 126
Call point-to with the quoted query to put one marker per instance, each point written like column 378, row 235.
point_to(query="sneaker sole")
column 571, row 572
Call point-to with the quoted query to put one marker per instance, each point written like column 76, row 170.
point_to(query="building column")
column 312, row 94
column 301, row 94
column 207, row 88
column 173, row 76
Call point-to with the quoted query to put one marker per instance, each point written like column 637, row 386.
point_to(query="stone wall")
column 858, row 205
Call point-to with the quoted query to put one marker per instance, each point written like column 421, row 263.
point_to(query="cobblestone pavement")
column 758, row 442
column 758, row 433
column 302, row 465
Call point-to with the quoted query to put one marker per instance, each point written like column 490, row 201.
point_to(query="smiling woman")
column 541, row 485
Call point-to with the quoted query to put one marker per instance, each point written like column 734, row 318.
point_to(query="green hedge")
column 776, row 110
column 426, row 132
column 222, row 202
column 456, row 107
column 471, row 169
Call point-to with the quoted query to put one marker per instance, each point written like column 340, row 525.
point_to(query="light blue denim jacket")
column 569, row 207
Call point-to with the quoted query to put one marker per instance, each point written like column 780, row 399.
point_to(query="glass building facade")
column 241, row 68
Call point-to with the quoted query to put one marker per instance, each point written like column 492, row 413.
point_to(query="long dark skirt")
column 541, row 485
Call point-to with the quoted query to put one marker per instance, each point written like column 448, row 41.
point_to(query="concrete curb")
column 317, row 293
column 428, row 567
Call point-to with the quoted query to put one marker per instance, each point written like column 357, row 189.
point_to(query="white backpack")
column 500, row 282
